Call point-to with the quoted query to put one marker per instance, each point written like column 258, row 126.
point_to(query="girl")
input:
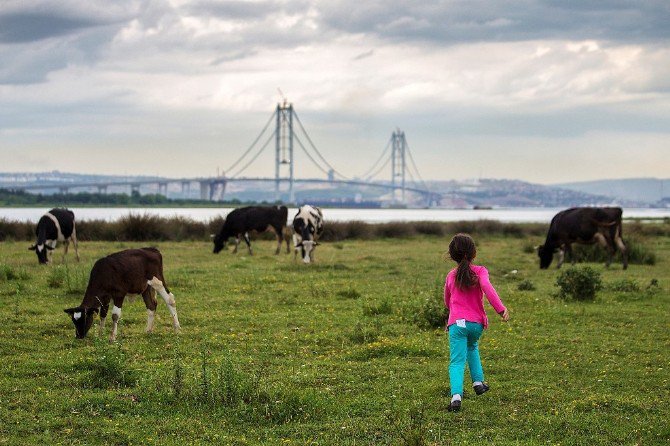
column 467, row 319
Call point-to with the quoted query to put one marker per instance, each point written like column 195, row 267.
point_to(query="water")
column 509, row 215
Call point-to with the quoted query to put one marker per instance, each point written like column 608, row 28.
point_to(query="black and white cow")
column 583, row 225
column 55, row 226
column 133, row 271
column 239, row 222
column 307, row 228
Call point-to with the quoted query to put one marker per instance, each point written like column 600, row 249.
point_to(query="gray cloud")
column 28, row 27
column 483, row 20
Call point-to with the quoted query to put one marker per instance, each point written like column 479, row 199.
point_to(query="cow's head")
column 546, row 255
column 219, row 243
column 82, row 318
column 41, row 251
column 307, row 247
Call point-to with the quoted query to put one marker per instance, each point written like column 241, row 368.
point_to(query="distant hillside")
column 648, row 190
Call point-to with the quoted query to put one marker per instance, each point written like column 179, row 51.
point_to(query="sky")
column 538, row 90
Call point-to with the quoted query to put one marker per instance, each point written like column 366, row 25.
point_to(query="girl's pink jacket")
column 468, row 303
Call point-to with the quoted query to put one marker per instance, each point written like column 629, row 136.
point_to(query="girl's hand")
column 504, row 315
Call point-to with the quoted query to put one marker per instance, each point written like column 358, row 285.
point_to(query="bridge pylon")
column 398, row 163
column 284, row 149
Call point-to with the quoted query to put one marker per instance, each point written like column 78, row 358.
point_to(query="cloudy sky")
column 540, row 90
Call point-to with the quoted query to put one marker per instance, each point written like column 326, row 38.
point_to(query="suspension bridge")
column 288, row 134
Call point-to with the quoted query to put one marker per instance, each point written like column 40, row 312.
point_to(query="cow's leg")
column 66, row 245
column 149, row 296
column 287, row 239
column 237, row 243
column 561, row 256
column 246, row 239
column 569, row 254
column 157, row 285
column 622, row 248
column 280, row 239
column 103, row 314
column 76, row 244
column 605, row 243
column 116, row 317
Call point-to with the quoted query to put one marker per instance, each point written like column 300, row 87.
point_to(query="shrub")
column 110, row 368
column 525, row 285
column 7, row 273
column 142, row 227
column 363, row 333
column 57, row 277
column 432, row 313
column 394, row 230
column 429, row 228
column 374, row 309
column 349, row 293
column 624, row 285
column 579, row 283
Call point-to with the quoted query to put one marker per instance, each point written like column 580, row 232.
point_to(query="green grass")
column 341, row 352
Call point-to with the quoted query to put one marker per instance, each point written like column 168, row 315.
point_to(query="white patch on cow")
column 76, row 315
column 308, row 245
column 150, row 320
column 40, row 248
column 61, row 237
column 157, row 285
column 116, row 311
column 116, row 315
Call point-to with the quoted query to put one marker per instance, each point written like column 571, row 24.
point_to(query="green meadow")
column 346, row 351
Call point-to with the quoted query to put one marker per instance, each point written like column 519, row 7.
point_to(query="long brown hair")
column 462, row 250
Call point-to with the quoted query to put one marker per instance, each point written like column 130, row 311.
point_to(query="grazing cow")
column 133, row 271
column 241, row 221
column 55, row 226
column 583, row 225
column 307, row 228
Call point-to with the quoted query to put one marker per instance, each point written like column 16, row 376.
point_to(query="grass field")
column 340, row 352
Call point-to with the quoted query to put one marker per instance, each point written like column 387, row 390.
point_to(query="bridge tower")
column 284, row 148
column 398, row 165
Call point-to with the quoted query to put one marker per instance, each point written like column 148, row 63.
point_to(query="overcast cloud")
column 544, row 91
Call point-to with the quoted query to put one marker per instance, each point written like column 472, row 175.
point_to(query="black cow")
column 251, row 218
column 55, row 226
column 307, row 228
column 583, row 225
column 133, row 271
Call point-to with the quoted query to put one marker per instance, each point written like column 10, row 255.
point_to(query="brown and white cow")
column 583, row 225
column 133, row 271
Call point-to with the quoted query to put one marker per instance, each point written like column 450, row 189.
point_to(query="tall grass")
column 147, row 227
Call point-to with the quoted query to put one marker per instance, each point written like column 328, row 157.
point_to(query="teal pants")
column 463, row 345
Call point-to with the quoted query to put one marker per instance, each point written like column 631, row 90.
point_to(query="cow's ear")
column 316, row 243
column 32, row 248
column 72, row 311
column 212, row 235
column 49, row 247
column 90, row 311
column 299, row 244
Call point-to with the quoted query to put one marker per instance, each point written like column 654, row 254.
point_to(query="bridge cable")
column 388, row 144
column 272, row 117
column 255, row 156
column 315, row 149
column 369, row 177
column 411, row 158
column 308, row 155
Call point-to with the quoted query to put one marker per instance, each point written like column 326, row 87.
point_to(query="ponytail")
column 462, row 250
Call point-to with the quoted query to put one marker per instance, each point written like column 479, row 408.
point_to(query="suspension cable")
column 255, row 156
column 315, row 149
column 308, row 155
column 272, row 116
column 411, row 158
column 369, row 177
column 388, row 144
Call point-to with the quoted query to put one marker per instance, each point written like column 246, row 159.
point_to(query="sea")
column 507, row 215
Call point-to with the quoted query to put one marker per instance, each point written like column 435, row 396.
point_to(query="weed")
column 623, row 285
column 364, row 333
column 638, row 253
column 57, row 277
column 349, row 293
column 579, row 283
column 432, row 312
column 110, row 369
column 525, row 285
column 378, row 308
